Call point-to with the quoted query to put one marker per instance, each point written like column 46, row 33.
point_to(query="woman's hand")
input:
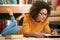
column 36, row 35
column 54, row 32
column 40, row 35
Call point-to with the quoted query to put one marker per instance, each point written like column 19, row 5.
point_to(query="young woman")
column 36, row 21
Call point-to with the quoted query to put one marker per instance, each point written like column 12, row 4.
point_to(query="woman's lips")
column 42, row 19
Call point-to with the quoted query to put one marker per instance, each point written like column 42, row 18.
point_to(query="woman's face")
column 42, row 15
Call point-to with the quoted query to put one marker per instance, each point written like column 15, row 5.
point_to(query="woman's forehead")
column 43, row 11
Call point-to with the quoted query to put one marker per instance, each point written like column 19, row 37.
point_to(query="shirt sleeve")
column 25, row 26
column 47, row 28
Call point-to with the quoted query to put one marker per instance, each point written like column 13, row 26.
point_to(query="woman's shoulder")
column 26, row 15
column 46, row 21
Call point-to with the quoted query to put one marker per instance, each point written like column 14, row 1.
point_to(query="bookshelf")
column 21, row 1
column 52, row 3
column 9, row 1
column 16, row 9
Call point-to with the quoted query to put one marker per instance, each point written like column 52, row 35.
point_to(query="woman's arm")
column 48, row 30
column 36, row 35
column 19, row 18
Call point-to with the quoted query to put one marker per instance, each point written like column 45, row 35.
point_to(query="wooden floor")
column 30, row 38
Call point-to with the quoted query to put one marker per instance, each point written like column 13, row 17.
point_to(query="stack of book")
column 2, row 25
column 14, row 37
column 2, row 38
column 8, row 1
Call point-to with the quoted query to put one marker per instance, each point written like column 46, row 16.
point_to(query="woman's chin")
column 42, row 20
